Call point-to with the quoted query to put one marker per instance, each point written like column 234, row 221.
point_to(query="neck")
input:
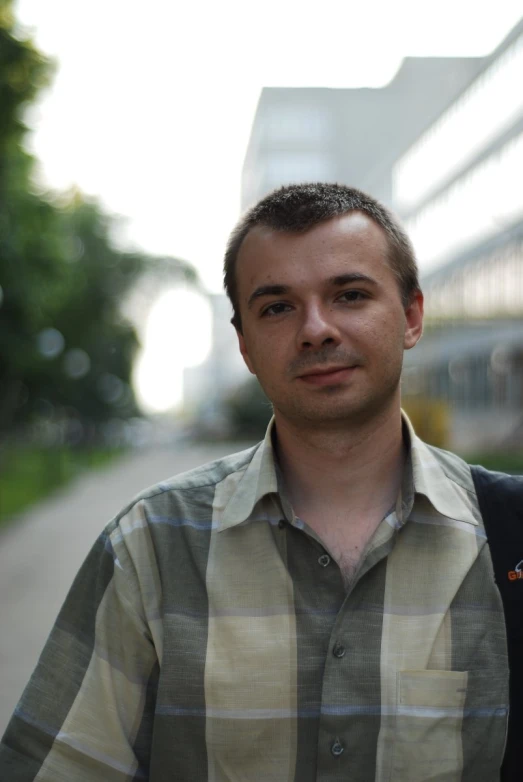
column 358, row 468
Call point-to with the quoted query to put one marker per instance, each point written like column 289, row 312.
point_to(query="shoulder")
column 209, row 474
column 456, row 469
column 196, row 484
column 480, row 484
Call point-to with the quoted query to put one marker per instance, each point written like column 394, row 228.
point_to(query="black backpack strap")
column 500, row 499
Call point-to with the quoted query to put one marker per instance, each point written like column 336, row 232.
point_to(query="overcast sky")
column 152, row 103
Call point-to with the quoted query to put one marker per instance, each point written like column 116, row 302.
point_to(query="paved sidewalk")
column 41, row 553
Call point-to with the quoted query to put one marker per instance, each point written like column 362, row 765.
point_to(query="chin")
column 329, row 410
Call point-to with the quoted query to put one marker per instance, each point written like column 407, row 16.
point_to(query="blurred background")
column 132, row 139
column 132, row 136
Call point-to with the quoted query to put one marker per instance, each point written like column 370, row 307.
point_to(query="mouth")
column 325, row 376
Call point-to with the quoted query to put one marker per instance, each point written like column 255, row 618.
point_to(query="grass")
column 511, row 462
column 29, row 474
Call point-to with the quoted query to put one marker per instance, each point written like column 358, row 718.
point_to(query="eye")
column 353, row 295
column 275, row 309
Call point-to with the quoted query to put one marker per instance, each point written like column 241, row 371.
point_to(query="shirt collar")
column 259, row 479
column 444, row 492
column 423, row 475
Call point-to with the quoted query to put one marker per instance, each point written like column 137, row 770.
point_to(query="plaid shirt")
column 209, row 636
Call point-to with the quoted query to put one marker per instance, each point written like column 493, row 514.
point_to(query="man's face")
column 324, row 327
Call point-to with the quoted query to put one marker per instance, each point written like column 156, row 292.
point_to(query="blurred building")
column 442, row 144
column 353, row 136
column 459, row 191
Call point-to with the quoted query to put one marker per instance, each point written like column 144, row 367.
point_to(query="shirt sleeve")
column 86, row 714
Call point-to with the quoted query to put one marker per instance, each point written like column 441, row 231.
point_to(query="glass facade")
column 488, row 287
column 486, row 109
column 487, row 199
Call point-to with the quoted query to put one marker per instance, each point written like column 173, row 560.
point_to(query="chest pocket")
column 440, row 729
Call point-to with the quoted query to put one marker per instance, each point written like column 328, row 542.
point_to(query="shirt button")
column 338, row 650
column 337, row 748
column 281, row 523
column 324, row 560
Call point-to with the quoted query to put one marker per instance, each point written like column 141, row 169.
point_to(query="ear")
column 244, row 352
column 413, row 321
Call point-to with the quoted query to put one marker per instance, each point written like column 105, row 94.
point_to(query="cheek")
column 268, row 356
column 382, row 335
column 262, row 353
column 271, row 363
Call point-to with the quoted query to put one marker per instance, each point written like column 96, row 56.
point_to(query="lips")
column 324, row 371
column 325, row 376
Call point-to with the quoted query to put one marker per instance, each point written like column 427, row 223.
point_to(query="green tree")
column 88, row 367
column 30, row 244
column 64, row 346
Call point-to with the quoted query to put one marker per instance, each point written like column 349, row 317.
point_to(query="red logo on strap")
column 514, row 575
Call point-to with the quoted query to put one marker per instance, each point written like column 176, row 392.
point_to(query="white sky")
column 152, row 103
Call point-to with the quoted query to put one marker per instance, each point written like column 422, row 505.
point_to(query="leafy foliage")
column 65, row 350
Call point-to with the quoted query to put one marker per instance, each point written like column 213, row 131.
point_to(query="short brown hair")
column 296, row 208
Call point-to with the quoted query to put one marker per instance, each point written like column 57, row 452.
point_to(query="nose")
column 317, row 327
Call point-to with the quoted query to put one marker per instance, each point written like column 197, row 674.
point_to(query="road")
column 41, row 551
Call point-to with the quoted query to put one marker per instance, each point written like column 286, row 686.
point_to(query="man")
column 319, row 607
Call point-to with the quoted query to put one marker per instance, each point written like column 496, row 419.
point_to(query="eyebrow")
column 347, row 279
column 281, row 290
column 267, row 290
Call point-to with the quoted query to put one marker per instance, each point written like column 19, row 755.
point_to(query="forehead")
column 351, row 242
